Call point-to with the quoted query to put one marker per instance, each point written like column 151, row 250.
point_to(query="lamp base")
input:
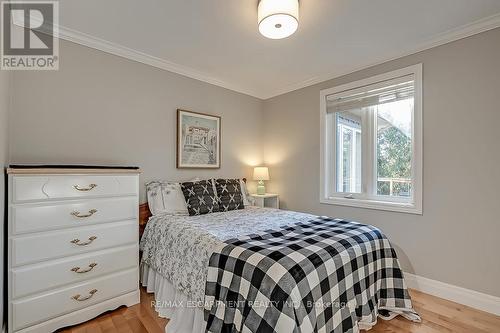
column 261, row 189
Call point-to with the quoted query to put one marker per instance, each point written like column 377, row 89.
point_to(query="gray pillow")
column 229, row 193
column 200, row 197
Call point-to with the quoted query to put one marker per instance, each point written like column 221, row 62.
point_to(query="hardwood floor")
column 438, row 315
column 140, row 318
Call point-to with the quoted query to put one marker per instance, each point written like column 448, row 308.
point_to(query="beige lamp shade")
column 260, row 173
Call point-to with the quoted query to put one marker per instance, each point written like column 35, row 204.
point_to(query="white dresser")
column 72, row 245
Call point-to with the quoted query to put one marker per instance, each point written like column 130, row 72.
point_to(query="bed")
column 270, row 270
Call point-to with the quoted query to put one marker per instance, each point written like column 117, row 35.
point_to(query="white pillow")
column 165, row 197
column 247, row 199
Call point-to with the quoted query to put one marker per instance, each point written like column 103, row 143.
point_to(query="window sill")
column 399, row 207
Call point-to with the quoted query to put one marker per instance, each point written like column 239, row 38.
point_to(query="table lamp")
column 260, row 174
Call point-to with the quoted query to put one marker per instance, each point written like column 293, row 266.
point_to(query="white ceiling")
column 217, row 41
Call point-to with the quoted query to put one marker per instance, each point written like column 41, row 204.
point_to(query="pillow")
column 165, row 197
column 200, row 197
column 229, row 193
column 247, row 199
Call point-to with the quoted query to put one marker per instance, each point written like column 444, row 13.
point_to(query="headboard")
column 145, row 214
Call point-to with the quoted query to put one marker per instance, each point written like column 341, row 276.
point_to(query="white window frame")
column 340, row 177
column 328, row 194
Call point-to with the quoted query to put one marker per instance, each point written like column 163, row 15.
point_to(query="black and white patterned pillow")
column 229, row 193
column 200, row 197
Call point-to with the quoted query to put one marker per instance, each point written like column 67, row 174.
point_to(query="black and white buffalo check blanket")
column 326, row 275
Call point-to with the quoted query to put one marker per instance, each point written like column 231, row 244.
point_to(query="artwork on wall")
column 198, row 140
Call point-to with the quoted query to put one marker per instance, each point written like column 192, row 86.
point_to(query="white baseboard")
column 453, row 293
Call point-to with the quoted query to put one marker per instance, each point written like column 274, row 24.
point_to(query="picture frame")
column 198, row 140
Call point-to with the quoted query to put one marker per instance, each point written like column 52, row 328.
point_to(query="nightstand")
column 266, row 200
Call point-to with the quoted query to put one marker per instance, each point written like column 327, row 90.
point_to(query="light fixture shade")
column 278, row 18
column 260, row 173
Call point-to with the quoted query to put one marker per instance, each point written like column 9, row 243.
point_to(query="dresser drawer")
column 57, row 273
column 29, row 311
column 36, row 188
column 49, row 245
column 46, row 216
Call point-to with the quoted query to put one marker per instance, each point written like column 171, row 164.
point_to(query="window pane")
column 394, row 148
column 348, row 151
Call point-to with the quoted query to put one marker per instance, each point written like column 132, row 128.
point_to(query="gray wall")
column 103, row 109
column 4, row 148
column 456, row 238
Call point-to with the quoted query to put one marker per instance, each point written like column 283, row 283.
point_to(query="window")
column 371, row 142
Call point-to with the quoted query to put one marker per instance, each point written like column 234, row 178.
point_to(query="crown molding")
column 467, row 30
column 103, row 45
column 131, row 54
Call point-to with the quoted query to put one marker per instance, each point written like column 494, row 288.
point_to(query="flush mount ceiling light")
column 278, row 18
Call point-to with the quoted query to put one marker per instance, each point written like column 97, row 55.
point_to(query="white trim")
column 467, row 30
column 373, row 204
column 144, row 58
column 472, row 298
column 406, row 71
column 328, row 150
column 131, row 54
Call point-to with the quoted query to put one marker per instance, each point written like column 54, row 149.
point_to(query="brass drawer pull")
column 91, row 293
column 82, row 216
column 85, row 189
column 77, row 269
column 76, row 241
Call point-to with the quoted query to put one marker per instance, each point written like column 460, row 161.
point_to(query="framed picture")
column 198, row 140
